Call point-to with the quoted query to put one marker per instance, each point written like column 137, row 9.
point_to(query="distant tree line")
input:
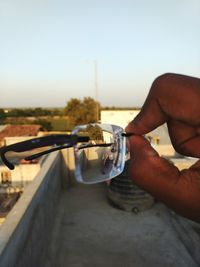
column 31, row 112
column 76, row 112
column 42, row 116
column 119, row 108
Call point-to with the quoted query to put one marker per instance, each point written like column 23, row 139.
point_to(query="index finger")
column 171, row 97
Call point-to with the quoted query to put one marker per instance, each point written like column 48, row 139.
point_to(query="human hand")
column 174, row 99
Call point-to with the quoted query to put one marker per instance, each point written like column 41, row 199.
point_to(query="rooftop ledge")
column 58, row 222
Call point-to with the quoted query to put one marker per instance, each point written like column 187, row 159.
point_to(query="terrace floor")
column 88, row 231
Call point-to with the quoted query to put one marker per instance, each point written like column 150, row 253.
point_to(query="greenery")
column 119, row 108
column 46, row 124
column 2, row 113
column 60, row 124
column 49, row 123
column 2, row 116
column 82, row 111
column 95, row 132
column 75, row 112
column 33, row 112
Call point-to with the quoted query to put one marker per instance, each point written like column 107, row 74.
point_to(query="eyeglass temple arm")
column 104, row 145
column 57, row 139
column 68, row 146
column 46, row 152
column 95, row 145
column 6, row 162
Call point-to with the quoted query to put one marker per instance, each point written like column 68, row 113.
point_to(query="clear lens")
column 102, row 158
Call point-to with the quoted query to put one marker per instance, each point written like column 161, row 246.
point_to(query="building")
column 11, row 134
column 13, row 183
column 118, row 117
column 25, row 172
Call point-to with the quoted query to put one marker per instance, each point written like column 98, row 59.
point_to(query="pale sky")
column 48, row 48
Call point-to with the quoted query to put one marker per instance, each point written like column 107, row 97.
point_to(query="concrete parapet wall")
column 25, row 233
column 67, row 168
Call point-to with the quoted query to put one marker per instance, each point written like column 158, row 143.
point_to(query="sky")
column 48, row 49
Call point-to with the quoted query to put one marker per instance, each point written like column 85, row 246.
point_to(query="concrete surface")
column 89, row 232
column 58, row 223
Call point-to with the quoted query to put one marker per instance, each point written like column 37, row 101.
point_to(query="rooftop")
column 20, row 130
column 58, row 222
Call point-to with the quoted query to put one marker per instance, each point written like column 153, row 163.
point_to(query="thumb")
column 148, row 170
column 140, row 147
column 179, row 190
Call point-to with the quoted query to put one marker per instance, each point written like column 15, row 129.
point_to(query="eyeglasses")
column 99, row 151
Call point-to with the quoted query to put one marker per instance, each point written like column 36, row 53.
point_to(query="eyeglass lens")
column 102, row 157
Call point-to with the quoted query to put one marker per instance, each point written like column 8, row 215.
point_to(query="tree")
column 82, row 112
column 2, row 113
column 94, row 132
column 2, row 116
column 44, row 123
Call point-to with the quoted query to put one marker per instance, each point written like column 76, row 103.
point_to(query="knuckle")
column 162, row 79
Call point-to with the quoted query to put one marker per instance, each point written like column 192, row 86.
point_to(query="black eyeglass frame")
column 61, row 141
